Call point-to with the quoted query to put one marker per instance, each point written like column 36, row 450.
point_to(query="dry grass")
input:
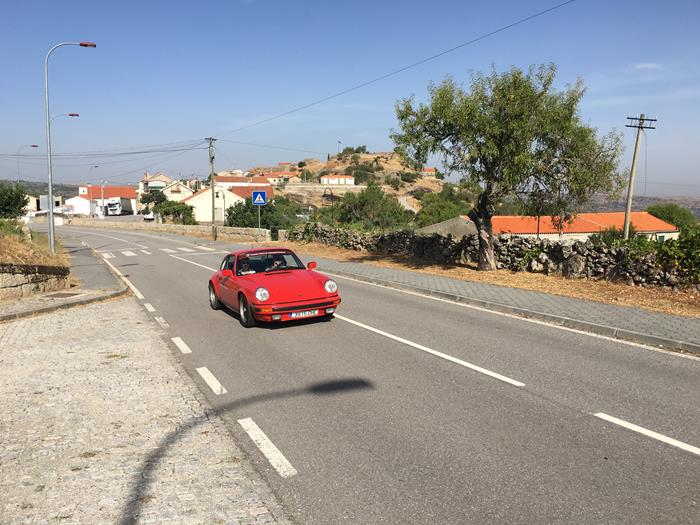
column 17, row 250
column 684, row 303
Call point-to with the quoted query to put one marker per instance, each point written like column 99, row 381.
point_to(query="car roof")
column 260, row 250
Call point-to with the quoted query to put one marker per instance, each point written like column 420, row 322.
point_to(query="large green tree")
column 373, row 209
column 512, row 134
column 677, row 215
column 281, row 214
column 12, row 201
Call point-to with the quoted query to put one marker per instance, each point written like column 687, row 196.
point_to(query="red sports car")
column 271, row 284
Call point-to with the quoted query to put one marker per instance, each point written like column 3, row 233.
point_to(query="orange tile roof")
column 582, row 223
column 246, row 192
column 428, row 170
column 95, row 192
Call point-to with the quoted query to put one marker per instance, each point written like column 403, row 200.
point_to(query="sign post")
column 259, row 199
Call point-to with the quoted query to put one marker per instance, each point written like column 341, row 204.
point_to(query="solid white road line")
column 517, row 317
column 192, row 262
column 210, row 380
column 433, row 352
column 149, row 307
column 183, row 249
column 283, row 467
column 168, row 250
column 108, row 255
column 126, row 281
column 129, row 254
column 181, row 345
column 146, row 252
column 115, row 238
column 649, row 433
column 161, row 321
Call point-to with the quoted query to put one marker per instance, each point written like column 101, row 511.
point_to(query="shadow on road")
column 145, row 475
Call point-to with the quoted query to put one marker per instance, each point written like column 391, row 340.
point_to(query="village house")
column 338, row 180
column 583, row 226
column 229, row 181
column 92, row 199
column 177, row 191
column 428, row 173
column 152, row 183
column 224, row 198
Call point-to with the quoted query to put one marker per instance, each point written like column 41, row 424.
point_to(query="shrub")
column 408, row 176
column 13, row 199
column 175, row 212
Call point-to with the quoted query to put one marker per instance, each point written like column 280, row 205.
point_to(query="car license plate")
column 307, row 313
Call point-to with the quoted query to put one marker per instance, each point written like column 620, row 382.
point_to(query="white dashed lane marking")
column 181, row 345
column 168, row 250
column 283, row 467
column 210, row 380
column 121, row 275
column 149, row 307
column 433, row 352
column 162, row 322
column 129, row 254
column 108, row 255
column 146, row 252
column 182, row 249
column 206, row 248
column 649, row 433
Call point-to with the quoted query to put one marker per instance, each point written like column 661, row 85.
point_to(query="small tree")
column 373, row 209
column 153, row 198
column 511, row 133
column 13, row 199
column 677, row 215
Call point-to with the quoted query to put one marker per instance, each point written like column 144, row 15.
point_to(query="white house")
column 177, row 191
column 228, row 181
column 91, row 199
column 338, row 180
column 224, row 199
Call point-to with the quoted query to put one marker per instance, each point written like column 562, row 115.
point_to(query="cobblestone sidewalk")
column 99, row 424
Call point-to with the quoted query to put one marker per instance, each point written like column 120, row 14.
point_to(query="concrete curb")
column 68, row 304
column 576, row 324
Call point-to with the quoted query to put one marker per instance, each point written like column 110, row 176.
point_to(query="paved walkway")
column 99, row 424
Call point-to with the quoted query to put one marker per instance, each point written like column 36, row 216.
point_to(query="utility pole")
column 640, row 123
column 212, row 187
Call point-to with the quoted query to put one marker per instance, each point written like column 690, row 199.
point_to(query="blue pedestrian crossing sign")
column 259, row 198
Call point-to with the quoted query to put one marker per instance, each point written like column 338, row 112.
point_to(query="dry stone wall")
column 577, row 259
column 20, row 280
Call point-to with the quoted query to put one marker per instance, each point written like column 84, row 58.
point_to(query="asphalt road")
column 442, row 413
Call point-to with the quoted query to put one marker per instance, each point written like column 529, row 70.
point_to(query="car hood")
column 293, row 285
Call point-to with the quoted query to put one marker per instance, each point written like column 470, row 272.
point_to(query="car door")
column 226, row 279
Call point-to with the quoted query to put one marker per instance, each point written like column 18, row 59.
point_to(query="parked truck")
column 119, row 206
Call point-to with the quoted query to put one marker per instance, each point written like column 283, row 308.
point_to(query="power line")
column 404, row 68
column 269, row 146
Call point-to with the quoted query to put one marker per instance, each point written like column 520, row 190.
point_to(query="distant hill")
column 42, row 188
column 601, row 203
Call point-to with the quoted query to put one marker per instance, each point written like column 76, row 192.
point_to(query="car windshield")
column 268, row 262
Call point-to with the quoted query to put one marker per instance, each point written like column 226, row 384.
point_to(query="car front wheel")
column 245, row 315
column 213, row 299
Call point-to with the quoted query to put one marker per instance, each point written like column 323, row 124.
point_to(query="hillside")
column 42, row 188
column 379, row 167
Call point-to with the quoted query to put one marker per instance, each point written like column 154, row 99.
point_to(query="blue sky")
column 176, row 71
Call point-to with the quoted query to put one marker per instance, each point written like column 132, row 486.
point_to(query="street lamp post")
column 103, row 209
column 52, row 228
column 20, row 149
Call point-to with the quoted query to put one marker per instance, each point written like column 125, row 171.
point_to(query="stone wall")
column 224, row 232
column 22, row 280
column 578, row 259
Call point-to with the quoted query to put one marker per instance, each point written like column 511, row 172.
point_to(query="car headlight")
column 262, row 295
column 330, row 286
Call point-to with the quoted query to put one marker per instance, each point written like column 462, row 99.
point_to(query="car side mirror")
column 312, row 265
column 227, row 273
